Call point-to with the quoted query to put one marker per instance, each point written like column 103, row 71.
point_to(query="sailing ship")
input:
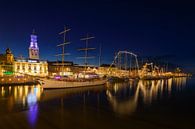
column 86, row 79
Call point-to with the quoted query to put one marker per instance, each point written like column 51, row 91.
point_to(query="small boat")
column 117, row 79
column 48, row 83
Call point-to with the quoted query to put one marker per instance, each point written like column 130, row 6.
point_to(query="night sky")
column 147, row 28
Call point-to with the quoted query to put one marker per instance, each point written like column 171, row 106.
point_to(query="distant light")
column 57, row 77
column 32, row 61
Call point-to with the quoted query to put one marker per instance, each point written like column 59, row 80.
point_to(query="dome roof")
column 8, row 51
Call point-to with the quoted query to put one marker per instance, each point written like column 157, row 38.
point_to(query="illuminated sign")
column 32, row 61
column 7, row 73
column 21, row 60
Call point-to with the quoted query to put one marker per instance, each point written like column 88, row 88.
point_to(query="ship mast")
column 86, row 49
column 63, row 45
column 100, row 55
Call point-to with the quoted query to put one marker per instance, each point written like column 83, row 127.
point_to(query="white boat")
column 83, row 79
column 57, row 84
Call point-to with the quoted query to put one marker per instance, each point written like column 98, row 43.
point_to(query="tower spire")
column 33, row 49
column 33, row 31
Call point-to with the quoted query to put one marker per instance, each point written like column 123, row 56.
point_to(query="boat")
column 81, row 79
column 154, row 77
column 113, row 79
column 48, row 83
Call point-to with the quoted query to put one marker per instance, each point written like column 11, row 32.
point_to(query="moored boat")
column 57, row 84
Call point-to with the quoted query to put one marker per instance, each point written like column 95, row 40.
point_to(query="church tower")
column 33, row 49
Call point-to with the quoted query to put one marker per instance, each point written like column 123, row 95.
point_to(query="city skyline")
column 95, row 64
column 147, row 29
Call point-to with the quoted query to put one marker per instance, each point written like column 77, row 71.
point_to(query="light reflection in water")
column 33, row 107
column 146, row 91
column 124, row 107
column 19, row 98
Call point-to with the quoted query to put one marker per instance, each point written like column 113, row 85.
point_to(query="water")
column 166, row 104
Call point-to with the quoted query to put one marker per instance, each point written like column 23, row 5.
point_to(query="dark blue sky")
column 147, row 28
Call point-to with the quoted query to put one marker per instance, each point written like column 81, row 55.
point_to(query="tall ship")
column 83, row 78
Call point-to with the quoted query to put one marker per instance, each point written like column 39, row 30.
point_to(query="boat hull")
column 54, row 84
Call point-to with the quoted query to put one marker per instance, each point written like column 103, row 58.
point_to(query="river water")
column 158, row 104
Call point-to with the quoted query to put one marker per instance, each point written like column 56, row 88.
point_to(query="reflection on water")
column 123, row 97
column 14, row 98
column 19, row 98
column 32, row 99
column 62, row 105
column 122, row 106
column 143, row 90
column 32, row 114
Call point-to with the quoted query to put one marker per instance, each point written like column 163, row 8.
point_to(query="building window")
column 23, row 67
column 29, row 67
column 18, row 67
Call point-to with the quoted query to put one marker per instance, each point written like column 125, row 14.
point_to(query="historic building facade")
column 7, row 58
column 59, row 68
column 33, row 65
column 64, row 69
column 1, row 71
column 6, row 62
